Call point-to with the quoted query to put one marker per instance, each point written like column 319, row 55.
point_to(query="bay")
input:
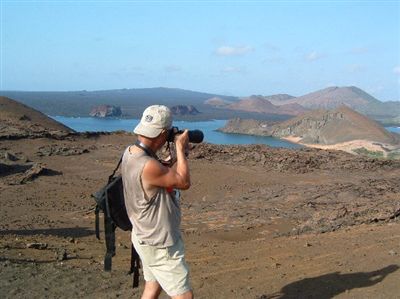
column 393, row 129
column 82, row 124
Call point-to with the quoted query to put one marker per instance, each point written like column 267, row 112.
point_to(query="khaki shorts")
column 165, row 265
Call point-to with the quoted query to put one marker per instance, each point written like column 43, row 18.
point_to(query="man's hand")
column 182, row 140
column 155, row 174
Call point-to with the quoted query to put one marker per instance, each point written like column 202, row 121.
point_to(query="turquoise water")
column 82, row 124
column 393, row 129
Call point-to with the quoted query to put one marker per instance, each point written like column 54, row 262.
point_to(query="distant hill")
column 17, row 120
column 131, row 101
column 382, row 111
column 212, row 106
column 261, row 105
column 333, row 97
column 217, row 102
column 350, row 96
column 278, row 99
column 334, row 126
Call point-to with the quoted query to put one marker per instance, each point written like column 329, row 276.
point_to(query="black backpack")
column 110, row 200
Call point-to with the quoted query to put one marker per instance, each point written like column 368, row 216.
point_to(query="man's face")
column 162, row 138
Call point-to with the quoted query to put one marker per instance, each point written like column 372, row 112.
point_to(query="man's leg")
column 186, row 295
column 151, row 290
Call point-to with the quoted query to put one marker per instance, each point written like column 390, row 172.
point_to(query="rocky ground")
column 258, row 222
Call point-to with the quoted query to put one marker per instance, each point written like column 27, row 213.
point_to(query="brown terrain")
column 217, row 102
column 332, row 97
column 341, row 129
column 327, row 98
column 334, row 126
column 258, row 222
column 261, row 105
column 18, row 121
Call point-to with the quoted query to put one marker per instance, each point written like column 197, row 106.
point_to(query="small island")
column 339, row 129
column 103, row 111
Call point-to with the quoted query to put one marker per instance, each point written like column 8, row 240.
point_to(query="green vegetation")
column 395, row 155
column 372, row 154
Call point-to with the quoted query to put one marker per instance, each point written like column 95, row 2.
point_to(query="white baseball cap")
column 155, row 119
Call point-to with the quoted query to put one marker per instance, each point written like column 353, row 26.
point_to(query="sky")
column 235, row 48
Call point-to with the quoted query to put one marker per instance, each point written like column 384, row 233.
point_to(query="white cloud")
column 172, row 68
column 233, row 51
column 396, row 70
column 314, row 55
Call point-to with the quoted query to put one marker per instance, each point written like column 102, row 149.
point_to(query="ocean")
column 393, row 129
column 82, row 124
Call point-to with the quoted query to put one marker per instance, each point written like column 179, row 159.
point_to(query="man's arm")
column 156, row 174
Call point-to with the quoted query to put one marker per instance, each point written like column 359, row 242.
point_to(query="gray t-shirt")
column 156, row 220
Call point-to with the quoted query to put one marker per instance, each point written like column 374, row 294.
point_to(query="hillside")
column 18, row 120
column 212, row 106
column 279, row 99
column 132, row 101
column 248, row 126
column 217, row 102
column 334, row 126
column 261, row 105
column 333, row 97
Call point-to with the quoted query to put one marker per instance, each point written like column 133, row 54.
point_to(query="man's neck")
column 148, row 143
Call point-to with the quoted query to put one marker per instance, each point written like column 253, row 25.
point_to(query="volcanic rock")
column 217, row 102
column 334, row 126
column 248, row 126
column 106, row 111
column 35, row 171
column 20, row 121
column 261, row 105
column 334, row 97
column 184, row 110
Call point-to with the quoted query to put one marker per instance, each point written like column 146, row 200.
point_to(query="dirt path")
column 257, row 222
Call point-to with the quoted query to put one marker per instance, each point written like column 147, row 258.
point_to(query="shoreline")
column 348, row 146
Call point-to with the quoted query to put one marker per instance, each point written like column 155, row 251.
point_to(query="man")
column 152, row 202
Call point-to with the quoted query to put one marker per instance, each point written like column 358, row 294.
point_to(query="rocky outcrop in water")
column 248, row 126
column 184, row 110
column 106, row 111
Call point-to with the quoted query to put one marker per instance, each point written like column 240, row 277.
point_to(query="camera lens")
column 196, row 136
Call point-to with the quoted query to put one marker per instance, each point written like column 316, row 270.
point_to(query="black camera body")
column 195, row 136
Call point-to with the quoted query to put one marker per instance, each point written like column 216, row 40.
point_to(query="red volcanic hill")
column 279, row 99
column 334, row 126
column 19, row 120
column 217, row 102
column 261, row 105
column 333, row 97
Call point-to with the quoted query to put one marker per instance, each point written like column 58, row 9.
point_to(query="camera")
column 195, row 136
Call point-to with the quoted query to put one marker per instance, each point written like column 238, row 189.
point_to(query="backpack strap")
column 135, row 266
column 97, row 225
column 98, row 208
column 109, row 228
column 115, row 170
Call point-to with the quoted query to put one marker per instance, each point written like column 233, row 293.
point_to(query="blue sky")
column 226, row 47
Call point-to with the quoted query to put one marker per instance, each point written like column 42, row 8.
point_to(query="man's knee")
column 152, row 290
column 186, row 295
